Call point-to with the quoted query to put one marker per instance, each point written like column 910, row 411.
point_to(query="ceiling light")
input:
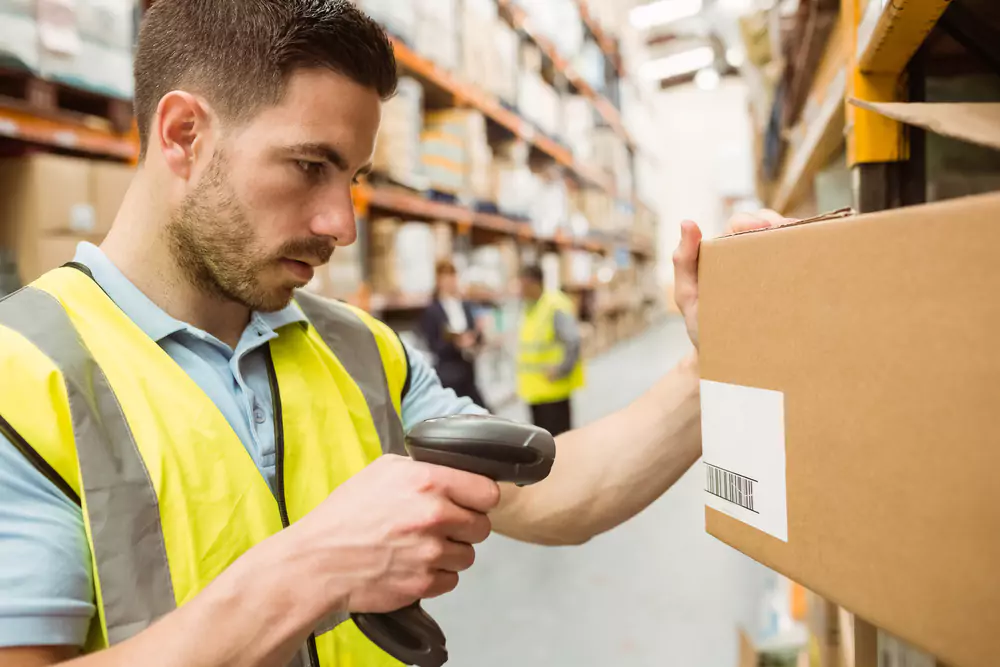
column 678, row 64
column 662, row 12
column 707, row 79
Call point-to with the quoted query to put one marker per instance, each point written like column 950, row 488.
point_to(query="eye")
column 314, row 171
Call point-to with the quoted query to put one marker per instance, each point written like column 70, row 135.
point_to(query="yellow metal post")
column 870, row 137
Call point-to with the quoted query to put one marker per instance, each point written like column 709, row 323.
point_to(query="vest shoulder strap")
column 372, row 355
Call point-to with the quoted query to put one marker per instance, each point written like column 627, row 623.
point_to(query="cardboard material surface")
column 880, row 331
column 109, row 182
column 975, row 122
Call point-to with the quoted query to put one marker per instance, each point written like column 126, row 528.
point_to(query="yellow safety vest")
column 539, row 351
column 169, row 495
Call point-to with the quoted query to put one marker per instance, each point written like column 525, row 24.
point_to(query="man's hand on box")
column 686, row 260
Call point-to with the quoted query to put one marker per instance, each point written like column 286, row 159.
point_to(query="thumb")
column 686, row 265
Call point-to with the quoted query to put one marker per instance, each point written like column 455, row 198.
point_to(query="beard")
column 218, row 249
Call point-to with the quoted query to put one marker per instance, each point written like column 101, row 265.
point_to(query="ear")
column 183, row 128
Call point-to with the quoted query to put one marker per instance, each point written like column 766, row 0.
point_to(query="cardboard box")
column 850, row 381
column 45, row 194
column 109, row 181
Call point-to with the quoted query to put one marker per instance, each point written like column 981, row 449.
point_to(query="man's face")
column 531, row 290
column 276, row 199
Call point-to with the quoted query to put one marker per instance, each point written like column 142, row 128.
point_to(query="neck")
column 138, row 246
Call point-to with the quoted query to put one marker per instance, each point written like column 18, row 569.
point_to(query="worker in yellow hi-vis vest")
column 549, row 364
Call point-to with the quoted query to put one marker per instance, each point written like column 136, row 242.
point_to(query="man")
column 191, row 462
column 549, row 364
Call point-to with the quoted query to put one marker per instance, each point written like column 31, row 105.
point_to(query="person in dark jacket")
column 450, row 329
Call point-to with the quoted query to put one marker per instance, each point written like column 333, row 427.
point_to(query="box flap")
column 975, row 122
column 823, row 217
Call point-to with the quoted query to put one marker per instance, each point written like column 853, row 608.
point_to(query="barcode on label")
column 730, row 486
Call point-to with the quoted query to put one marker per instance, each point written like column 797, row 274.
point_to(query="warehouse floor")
column 656, row 591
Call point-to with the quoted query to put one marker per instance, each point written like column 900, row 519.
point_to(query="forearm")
column 609, row 471
column 258, row 613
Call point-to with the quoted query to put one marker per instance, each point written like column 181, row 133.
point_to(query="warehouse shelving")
column 607, row 43
column 400, row 201
column 604, row 107
column 21, row 123
column 465, row 94
column 890, row 33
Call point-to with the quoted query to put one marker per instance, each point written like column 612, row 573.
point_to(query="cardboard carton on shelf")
column 850, row 378
column 109, row 181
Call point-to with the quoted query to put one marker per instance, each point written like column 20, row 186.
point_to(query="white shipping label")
column 743, row 443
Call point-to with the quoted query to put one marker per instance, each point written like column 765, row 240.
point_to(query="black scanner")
column 500, row 449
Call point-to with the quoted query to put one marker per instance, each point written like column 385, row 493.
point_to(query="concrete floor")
column 657, row 591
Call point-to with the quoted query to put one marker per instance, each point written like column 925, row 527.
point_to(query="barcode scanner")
column 504, row 451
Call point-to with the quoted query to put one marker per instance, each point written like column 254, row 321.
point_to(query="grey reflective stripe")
column 121, row 502
column 301, row 658
column 355, row 346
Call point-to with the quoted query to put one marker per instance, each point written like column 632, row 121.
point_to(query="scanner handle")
column 409, row 635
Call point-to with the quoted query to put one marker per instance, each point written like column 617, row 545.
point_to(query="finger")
column 468, row 527
column 444, row 582
column 453, row 556
column 474, row 492
column 686, row 265
column 763, row 219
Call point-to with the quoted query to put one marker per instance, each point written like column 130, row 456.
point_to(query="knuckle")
column 436, row 513
column 434, row 551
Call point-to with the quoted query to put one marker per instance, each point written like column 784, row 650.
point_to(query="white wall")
column 705, row 154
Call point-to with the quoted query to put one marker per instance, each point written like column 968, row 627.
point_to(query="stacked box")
column 382, row 254
column 577, row 267
column 549, row 210
column 444, row 246
column 478, row 50
column 398, row 18
column 49, row 204
column 539, row 102
column 578, row 126
column 611, row 155
column 455, row 153
column 437, row 32
column 88, row 44
column 505, row 48
column 398, row 151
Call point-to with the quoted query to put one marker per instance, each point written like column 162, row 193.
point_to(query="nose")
column 335, row 218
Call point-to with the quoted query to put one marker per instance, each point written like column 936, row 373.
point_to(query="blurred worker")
column 452, row 334
column 549, row 363
column 198, row 461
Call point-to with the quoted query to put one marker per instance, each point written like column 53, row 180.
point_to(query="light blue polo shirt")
column 46, row 585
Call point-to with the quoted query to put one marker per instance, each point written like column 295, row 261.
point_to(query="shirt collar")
column 149, row 317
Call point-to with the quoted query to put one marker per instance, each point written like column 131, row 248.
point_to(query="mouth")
column 301, row 270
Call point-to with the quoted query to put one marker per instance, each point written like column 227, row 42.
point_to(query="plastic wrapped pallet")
column 578, row 126
column 505, row 43
column 19, row 34
column 436, row 36
column 414, row 256
column 398, row 18
column 549, row 211
column 398, row 150
column 88, row 44
column 478, row 20
column 539, row 102
column 611, row 154
column 456, row 154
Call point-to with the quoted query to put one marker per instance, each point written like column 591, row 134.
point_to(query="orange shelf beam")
column 67, row 133
column 403, row 202
column 607, row 44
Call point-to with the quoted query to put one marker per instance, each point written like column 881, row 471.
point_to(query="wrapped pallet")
column 398, row 150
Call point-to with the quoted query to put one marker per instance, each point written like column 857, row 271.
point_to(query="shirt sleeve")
column 568, row 333
column 46, row 584
column 427, row 398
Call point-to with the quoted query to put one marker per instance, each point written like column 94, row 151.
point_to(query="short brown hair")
column 239, row 53
column 444, row 268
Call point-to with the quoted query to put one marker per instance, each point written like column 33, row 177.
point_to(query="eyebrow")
column 328, row 153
